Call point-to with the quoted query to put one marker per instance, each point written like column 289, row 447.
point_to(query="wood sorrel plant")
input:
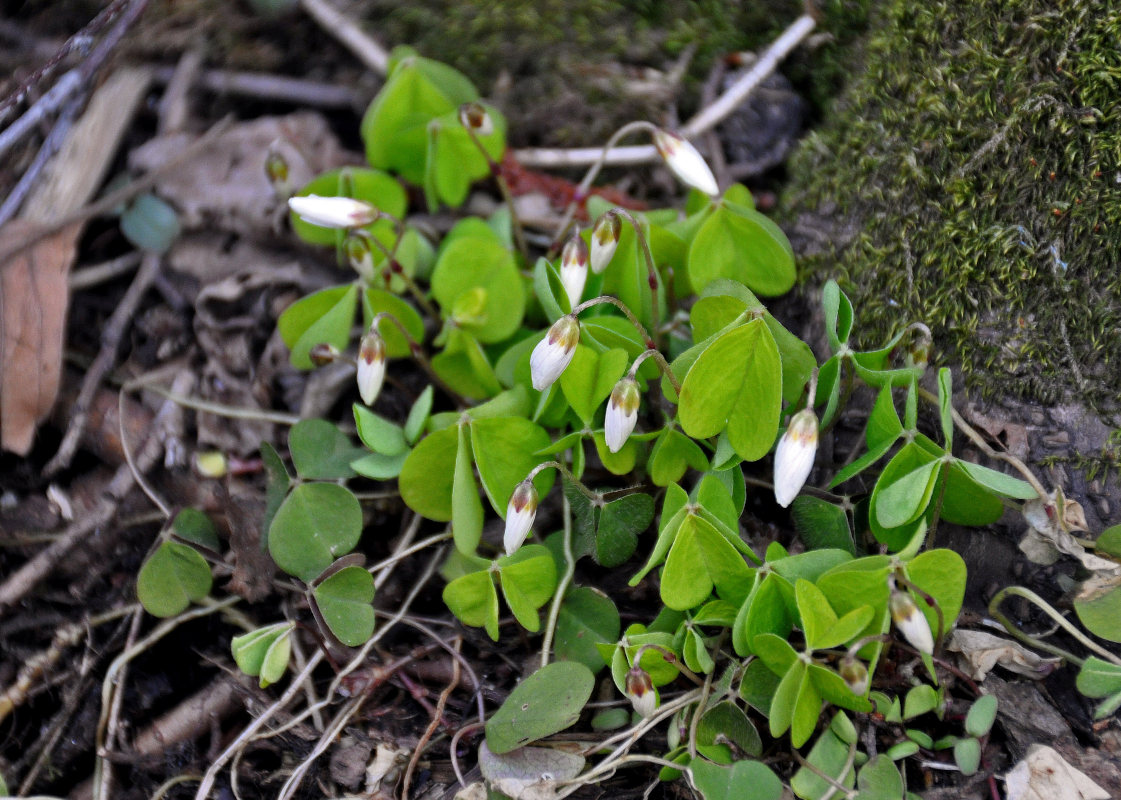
column 642, row 357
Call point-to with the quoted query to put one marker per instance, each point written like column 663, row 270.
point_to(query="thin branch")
column 264, row 86
column 352, row 37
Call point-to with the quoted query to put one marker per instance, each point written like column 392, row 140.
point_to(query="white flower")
column 333, row 212
column 794, row 456
column 641, row 691
column 574, row 269
column 553, row 354
column 371, row 366
column 686, row 163
column 605, row 238
column 911, row 622
column 622, row 414
column 520, row 512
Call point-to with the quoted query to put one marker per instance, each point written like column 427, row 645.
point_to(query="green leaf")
column 742, row 779
column 818, row 617
column 832, row 688
column 549, row 290
column 418, row 415
column 758, row 686
column 276, row 487
column 467, row 508
column 941, row 574
column 150, row 224
column 945, row 406
column 320, row 451
column 1109, row 542
column 264, row 651
column 474, row 601
column 324, row 317
column 317, row 523
column 471, row 263
column 829, row 756
column 546, row 702
column 586, row 617
column 172, row 577
column 735, row 383
column 345, row 600
column 1098, row 678
column 967, row 755
column 454, row 160
column 920, row 700
column 528, row 579
column 765, row 612
column 906, row 497
column 879, row 779
column 1098, row 604
column 427, row 476
column 699, row 560
column 785, row 700
column 726, row 723
column 672, row 454
column 982, row 714
column 998, row 482
column 195, row 527
column 745, row 246
column 620, row 463
column 376, row 301
column 883, row 423
column 821, row 524
column 378, row 433
column 379, row 467
column 620, row 522
column 505, row 451
column 589, row 379
column 964, row 501
column 465, row 367
column 775, row 652
column 807, row 710
column 838, row 315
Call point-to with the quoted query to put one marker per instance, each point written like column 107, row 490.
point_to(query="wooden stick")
column 352, row 37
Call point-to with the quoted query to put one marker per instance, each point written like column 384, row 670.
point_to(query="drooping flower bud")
column 276, row 169
column 371, row 365
column 910, row 621
column 622, row 413
column 574, row 269
column 855, row 675
column 685, row 162
column 794, row 456
column 333, row 212
column 605, row 238
column 475, row 117
column 641, row 691
column 554, row 353
column 520, row 512
column 360, row 254
column 322, row 354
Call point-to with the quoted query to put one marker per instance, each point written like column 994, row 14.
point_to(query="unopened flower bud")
column 574, row 269
column 475, row 117
column 910, row 621
column 794, row 456
column 333, row 212
column 622, row 413
column 641, row 691
column 855, row 675
column 323, row 354
column 685, row 162
column 276, row 169
column 605, row 238
column 360, row 255
column 371, row 365
column 211, row 464
column 554, row 353
column 520, row 512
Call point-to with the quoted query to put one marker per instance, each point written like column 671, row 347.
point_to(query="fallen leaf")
column 529, row 773
column 33, row 300
column 982, row 651
column 1050, row 521
column 1045, row 775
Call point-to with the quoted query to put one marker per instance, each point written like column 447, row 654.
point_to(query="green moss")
column 977, row 156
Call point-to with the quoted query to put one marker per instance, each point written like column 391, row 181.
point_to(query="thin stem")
column 395, row 267
column 834, row 785
column 1044, row 606
column 503, row 187
column 706, row 690
column 418, row 353
column 663, row 365
column 651, row 270
column 595, row 497
column 218, row 409
column 562, row 587
column 840, row 499
column 582, row 190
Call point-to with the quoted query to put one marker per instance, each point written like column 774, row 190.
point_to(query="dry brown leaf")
column 982, row 651
column 1050, row 521
column 33, row 301
column 1045, row 775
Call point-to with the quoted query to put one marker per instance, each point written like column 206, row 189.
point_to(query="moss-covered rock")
column 974, row 167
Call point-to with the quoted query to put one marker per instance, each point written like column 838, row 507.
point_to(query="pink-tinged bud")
column 475, row 117
column 910, row 621
column 794, row 456
column 685, row 162
column 855, row 675
column 553, row 354
column 371, row 366
column 605, row 238
column 641, row 691
column 333, row 212
column 520, row 512
column 622, row 414
column 360, row 255
column 323, row 354
column 574, row 269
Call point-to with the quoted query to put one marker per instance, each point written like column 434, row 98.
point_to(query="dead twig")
column 263, row 86
column 111, row 336
column 51, row 145
column 94, row 275
column 437, row 716
column 352, row 37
